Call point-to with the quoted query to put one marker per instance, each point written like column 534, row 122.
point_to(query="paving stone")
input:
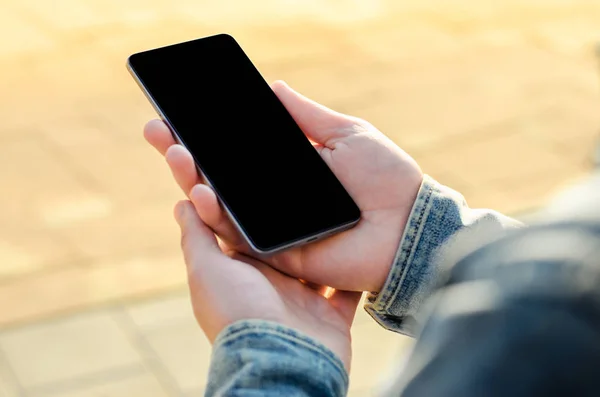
column 403, row 39
column 184, row 351
column 196, row 393
column 475, row 89
column 342, row 83
column 8, row 383
column 34, row 199
column 570, row 36
column 120, row 42
column 497, row 158
column 294, row 42
column 137, row 385
column 352, row 392
column 64, row 15
column 162, row 311
column 28, row 252
column 74, row 75
column 76, row 288
column 65, row 349
column 68, row 133
column 526, row 194
column 374, row 351
column 130, row 173
column 133, row 231
column 121, row 118
column 570, row 127
column 30, row 36
column 274, row 12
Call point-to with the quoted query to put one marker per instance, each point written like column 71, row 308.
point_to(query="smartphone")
column 271, row 181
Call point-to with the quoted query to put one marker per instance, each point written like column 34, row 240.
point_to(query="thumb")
column 198, row 242
column 318, row 122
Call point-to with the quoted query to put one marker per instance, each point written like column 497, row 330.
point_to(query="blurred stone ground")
column 496, row 99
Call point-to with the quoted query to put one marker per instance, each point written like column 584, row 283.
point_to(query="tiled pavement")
column 151, row 349
column 498, row 99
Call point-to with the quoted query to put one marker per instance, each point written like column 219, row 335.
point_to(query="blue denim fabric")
column 258, row 358
column 261, row 358
column 516, row 314
column 437, row 215
column 519, row 317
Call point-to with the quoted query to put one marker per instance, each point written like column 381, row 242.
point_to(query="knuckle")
column 185, row 245
column 184, row 238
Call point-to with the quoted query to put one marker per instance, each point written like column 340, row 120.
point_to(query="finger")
column 212, row 214
column 198, row 242
column 319, row 123
column 346, row 303
column 158, row 135
column 182, row 167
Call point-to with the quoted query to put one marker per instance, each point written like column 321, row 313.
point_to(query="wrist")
column 404, row 277
column 399, row 232
column 431, row 234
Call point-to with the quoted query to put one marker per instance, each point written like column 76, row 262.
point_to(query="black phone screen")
column 258, row 160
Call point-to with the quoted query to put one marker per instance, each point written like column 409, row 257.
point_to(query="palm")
column 260, row 292
column 385, row 202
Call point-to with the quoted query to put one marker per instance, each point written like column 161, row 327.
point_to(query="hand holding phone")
column 382, row 179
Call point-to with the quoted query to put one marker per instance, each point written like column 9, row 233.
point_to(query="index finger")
column 158, row 135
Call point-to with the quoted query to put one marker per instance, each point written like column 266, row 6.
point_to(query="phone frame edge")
column 295, row 243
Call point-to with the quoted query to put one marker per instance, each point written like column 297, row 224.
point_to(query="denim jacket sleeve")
column 261, row 358
column 439, row 217
column 517, row 317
